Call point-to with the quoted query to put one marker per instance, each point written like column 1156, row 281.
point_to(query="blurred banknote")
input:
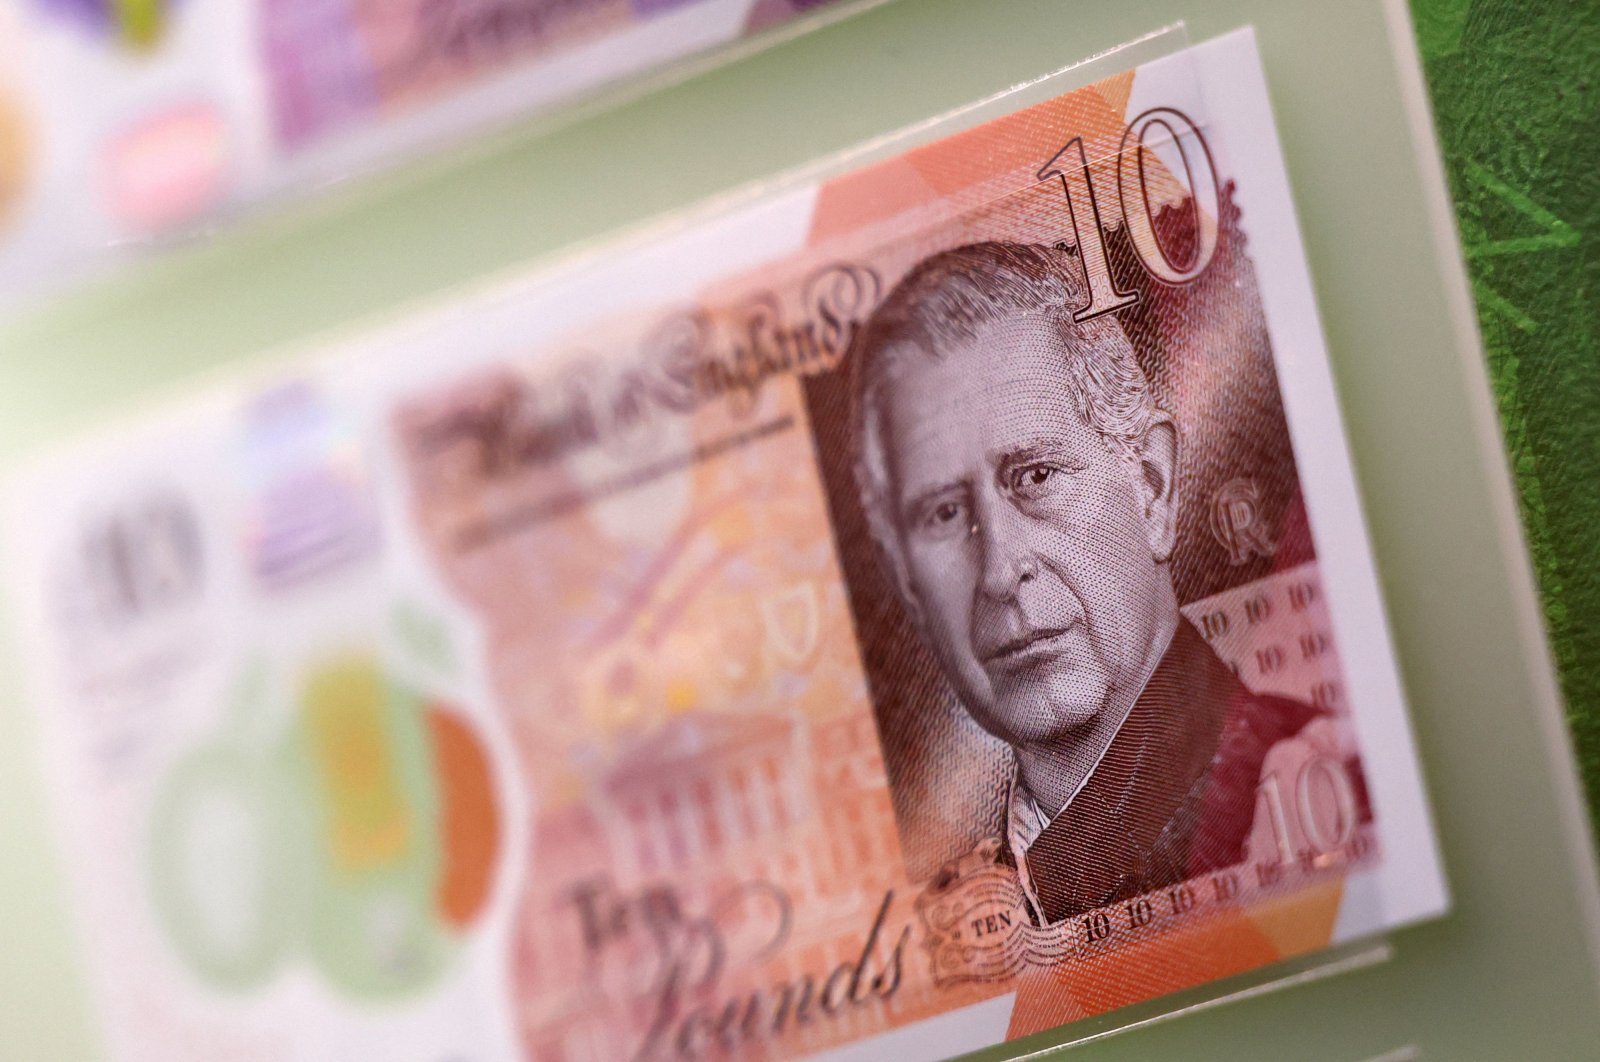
column 917, row 609
column 335, row 64
column 125, row 123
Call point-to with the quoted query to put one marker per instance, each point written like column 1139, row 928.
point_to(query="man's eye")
column 1035, row 481
column 945, row 516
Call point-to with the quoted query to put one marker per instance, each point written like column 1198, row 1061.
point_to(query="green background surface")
column 1516, row 97
column 1510, row 974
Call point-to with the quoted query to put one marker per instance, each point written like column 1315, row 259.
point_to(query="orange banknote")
column 921, row 607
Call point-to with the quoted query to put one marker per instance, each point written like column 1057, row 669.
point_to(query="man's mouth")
column 1029, row 646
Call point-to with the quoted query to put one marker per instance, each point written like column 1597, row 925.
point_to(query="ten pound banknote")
column 918, row 609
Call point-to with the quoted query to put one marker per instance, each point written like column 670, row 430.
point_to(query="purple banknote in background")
column 124, row 122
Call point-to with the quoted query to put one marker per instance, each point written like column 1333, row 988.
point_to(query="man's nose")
column 1007, row 555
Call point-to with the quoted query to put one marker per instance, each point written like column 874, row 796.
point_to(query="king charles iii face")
column 1034, row 552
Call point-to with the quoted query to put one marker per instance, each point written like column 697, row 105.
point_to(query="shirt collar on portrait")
column 1026, row 820
column 1024, row 823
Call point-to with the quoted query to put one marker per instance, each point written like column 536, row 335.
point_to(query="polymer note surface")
column 916, row 609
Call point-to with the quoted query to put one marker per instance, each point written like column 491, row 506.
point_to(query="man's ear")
column 1157, row 452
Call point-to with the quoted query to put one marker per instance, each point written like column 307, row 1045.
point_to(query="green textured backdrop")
column 1516, row 97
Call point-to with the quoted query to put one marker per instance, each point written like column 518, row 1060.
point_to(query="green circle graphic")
column 223, row 866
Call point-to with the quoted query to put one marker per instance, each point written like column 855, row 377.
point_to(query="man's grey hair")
column 943, row 302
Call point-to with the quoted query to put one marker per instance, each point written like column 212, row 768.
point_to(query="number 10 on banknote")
column 918, row 609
